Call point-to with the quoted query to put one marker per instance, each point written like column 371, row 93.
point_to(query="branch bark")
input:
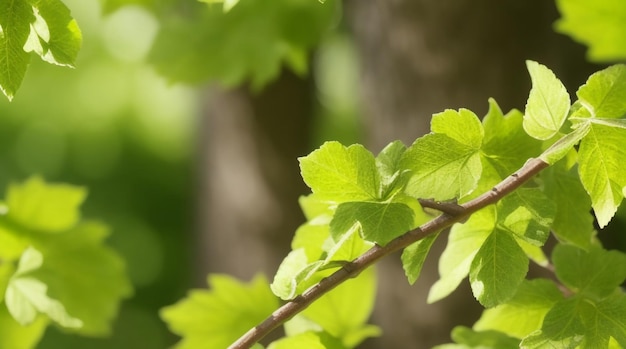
column 352, row 269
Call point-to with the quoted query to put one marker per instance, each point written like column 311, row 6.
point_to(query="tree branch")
column 352, row 269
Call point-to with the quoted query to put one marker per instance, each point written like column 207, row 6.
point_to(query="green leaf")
column 413, row 257
column 498, row 269
column 442, row 168
column 285, row 284
column 340, row 174
column 573, row 222
column 347, row 247
column 602, row 161
column 446, row 164
column 580, row 322
column 506, row 145
column 463, row 126
column 344, row 311
column 527, row 213
column 562, row 327
column 388, row 162
column 379, row 222
column 595, row 273
column 604, row 92
column 55, row 35
column 598, row 24
column 225, row 312
column 44, row 207
column 80, row 251
column 547, row 105
column 15, row 336
column 15, row 19
column 524, row 313
column 464, row 241
column 310, row 237
column 565, row 144
column 27, row 296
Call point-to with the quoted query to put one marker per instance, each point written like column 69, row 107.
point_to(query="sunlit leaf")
column 339, row 173
column 463, row 243
column 225, row 312
column 599, row 24
column 344, row 311
column 548, row 103
column 498, row 268
column 379, row 222
column 414, row 255
column 27, row 296
column 524, row 313
column 44, row 207
column 15, row 19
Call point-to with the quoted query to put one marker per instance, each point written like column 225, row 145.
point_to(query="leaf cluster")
column 54, row 267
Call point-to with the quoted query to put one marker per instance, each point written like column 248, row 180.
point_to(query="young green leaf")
column 15, row 19
column 463, row 126
column 15, row 336
column 498, row 269
column 285, row 284
column 393, row 178
column 225, row 312
column 565, row 144
column 595, row 273
column 380, row 222
column 602, row 166
column 413, row 257
column 340, row 174
column 44, row 207
column 344, row 311
column 55, row 35
column 80, row 251
column 548, row 103
column 442, row 168
column 464, row 241
column 573, row 222
column 27, row 296
column 581, row 322
column 604, row 92
column 527, row 213
column 598, row 24
column 524, row 313
column 506, row 147
column 446, row 164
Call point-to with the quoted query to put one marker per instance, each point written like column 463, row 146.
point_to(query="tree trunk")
column 250, row 177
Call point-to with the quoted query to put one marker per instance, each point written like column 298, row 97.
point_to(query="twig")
column 352, row 269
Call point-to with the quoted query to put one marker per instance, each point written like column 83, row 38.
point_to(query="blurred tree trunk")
column 249, row 175
column 419, row 57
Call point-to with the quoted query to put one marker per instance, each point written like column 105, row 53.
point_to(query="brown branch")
column 352, row 269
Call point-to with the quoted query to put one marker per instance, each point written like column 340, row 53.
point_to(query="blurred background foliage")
column 118, row 127
column 122, row 126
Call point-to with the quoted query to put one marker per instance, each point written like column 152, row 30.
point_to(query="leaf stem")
column 352, row 269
